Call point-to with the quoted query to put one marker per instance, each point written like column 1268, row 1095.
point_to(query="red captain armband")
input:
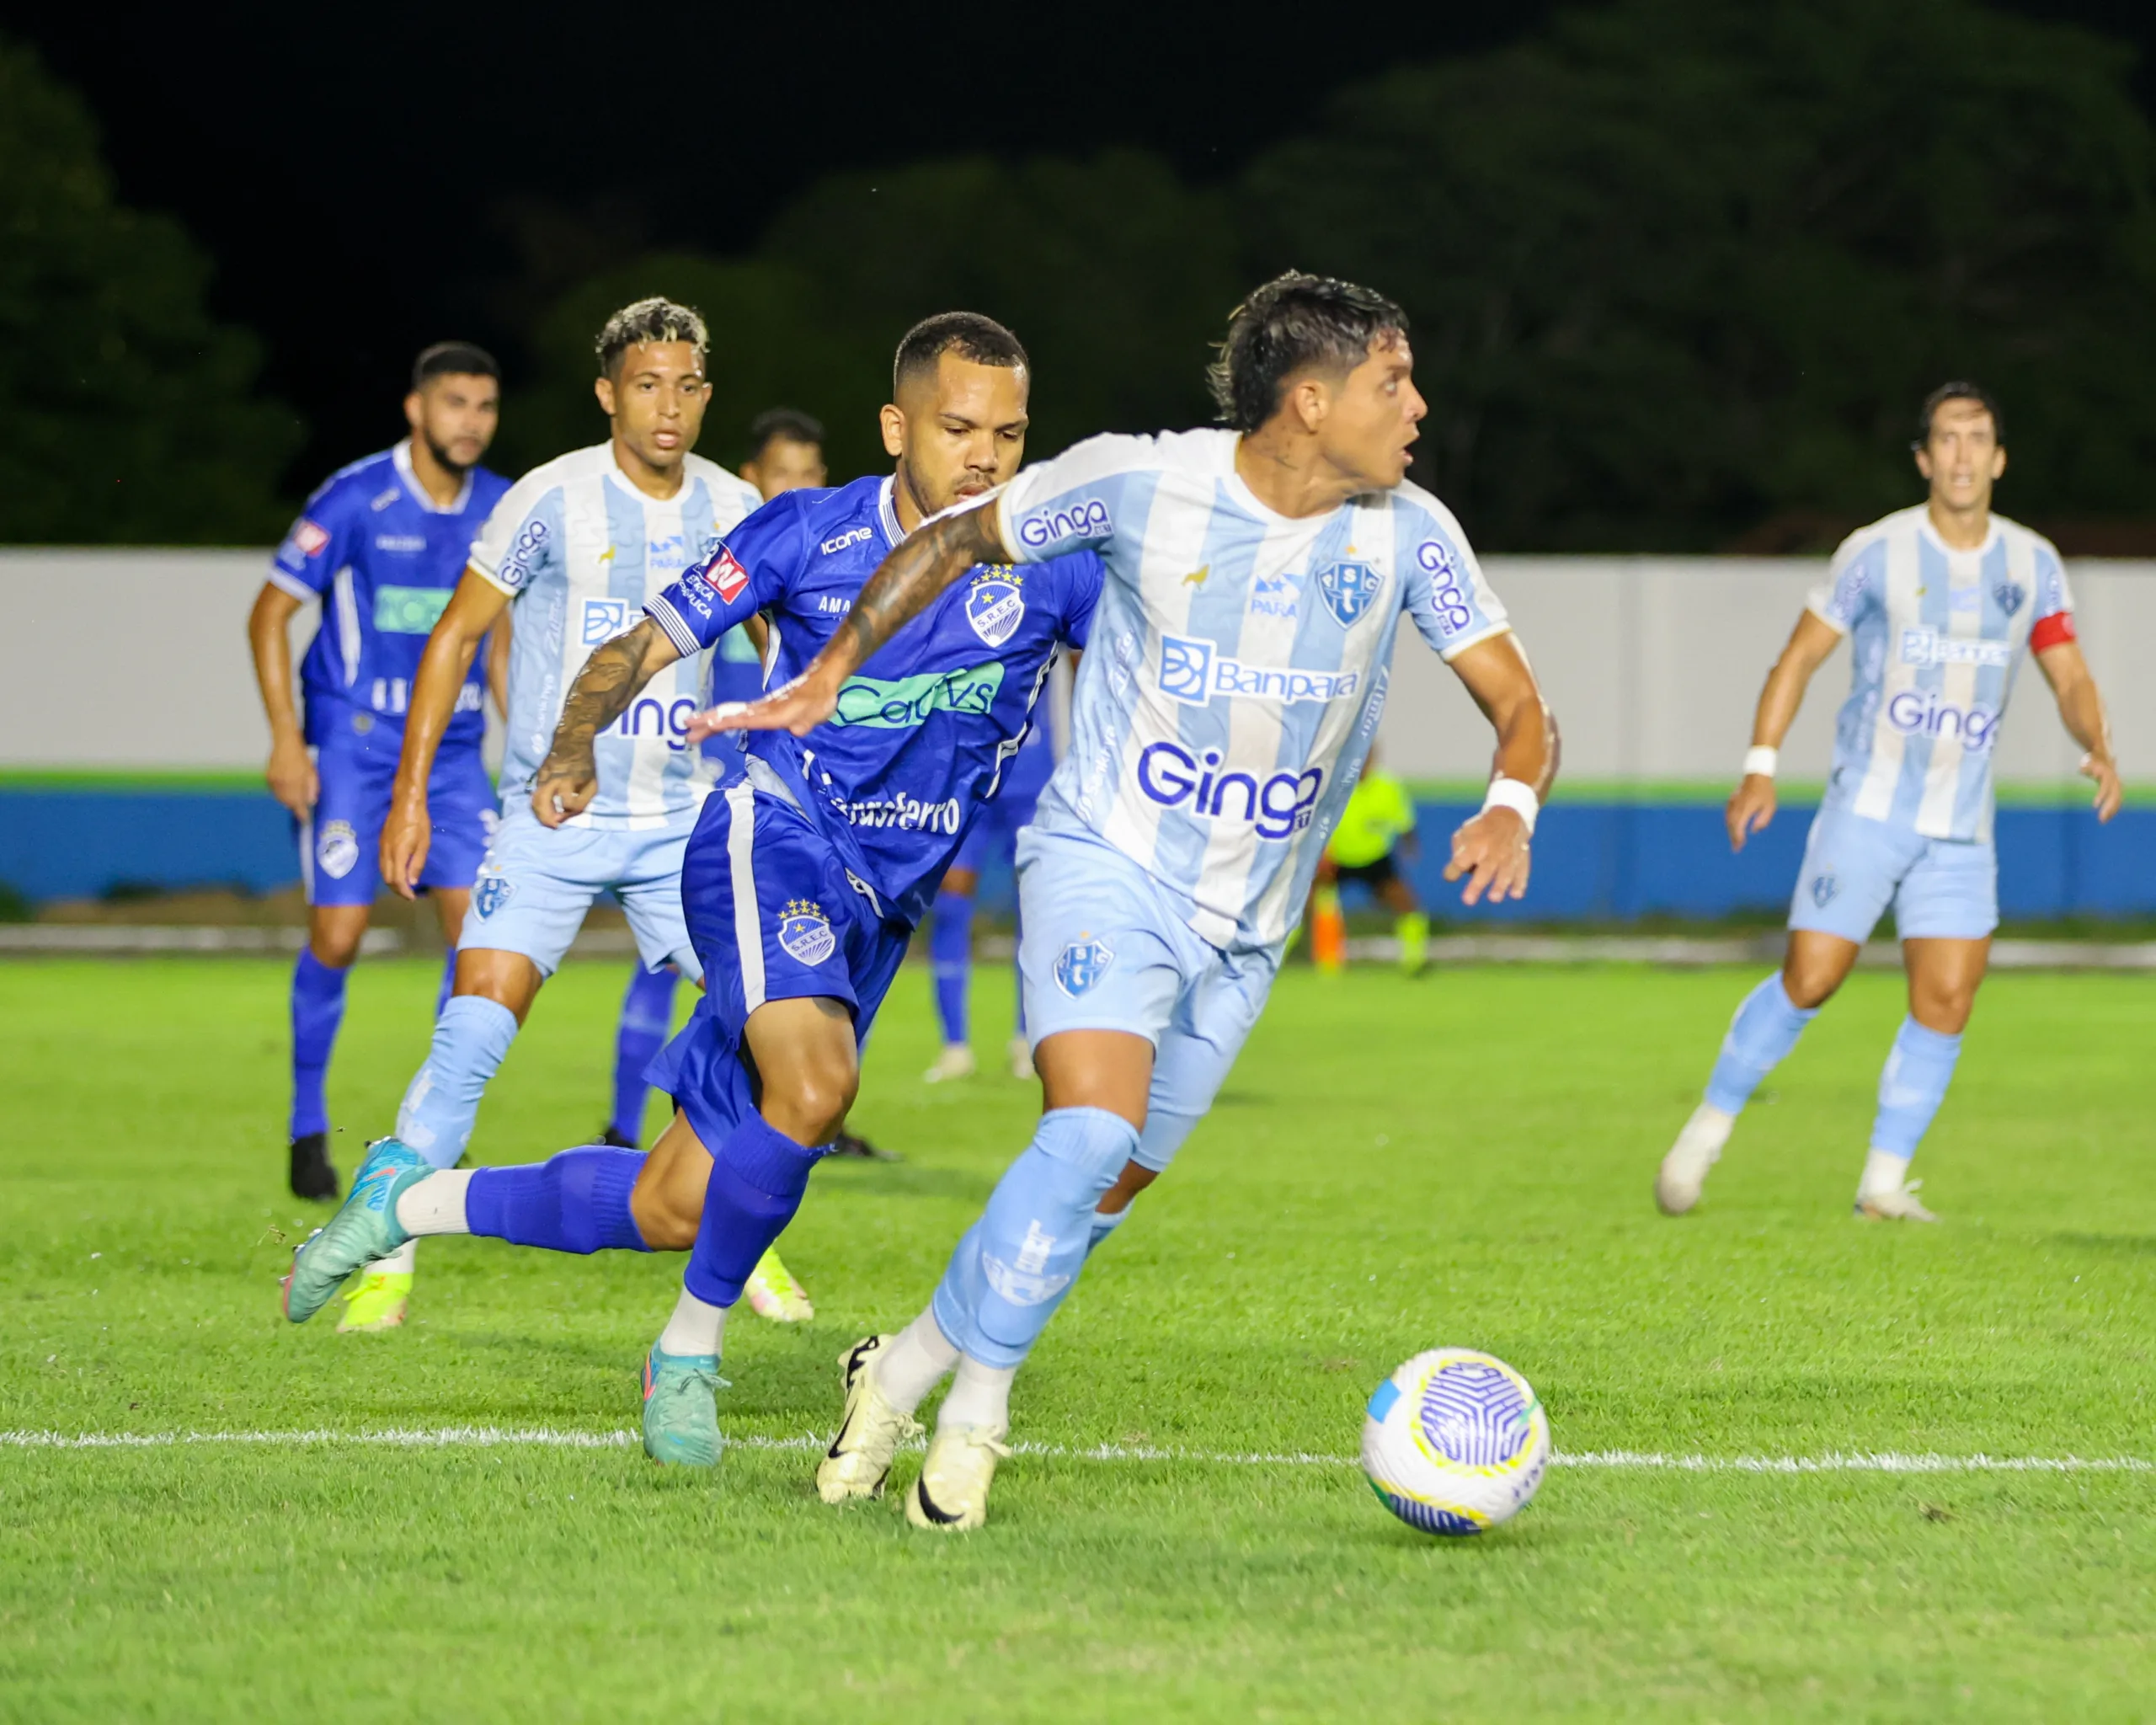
column 2051, row 631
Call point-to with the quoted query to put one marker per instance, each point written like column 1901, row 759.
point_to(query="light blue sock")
column 436, row 1116
column 1911, row 1085
column 1016, row 1265
column 1104, row 1225
column 448, row 980
column 1765, row 1028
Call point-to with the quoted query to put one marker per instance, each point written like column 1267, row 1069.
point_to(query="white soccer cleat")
column 952, row 1493
column 1897, row 1203
column 1698, row 1147
column 870, row 1431
column 955, row 1061
column 1021, row 1060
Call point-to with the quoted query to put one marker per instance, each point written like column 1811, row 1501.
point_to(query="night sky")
column 490, row 154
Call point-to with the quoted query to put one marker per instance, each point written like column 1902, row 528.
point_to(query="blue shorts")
column 995, row 831
column 340, row 844
column 1106, row 948
column 537, row 883
column 1853, row 868
column 774, row 915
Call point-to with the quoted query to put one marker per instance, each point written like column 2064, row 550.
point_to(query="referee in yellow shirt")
column 1377, row 827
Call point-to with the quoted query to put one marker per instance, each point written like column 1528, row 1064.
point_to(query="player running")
column 1938, row 602
column 803, row 881
column 579, row 546
column 1214, row 741
column 380, row 546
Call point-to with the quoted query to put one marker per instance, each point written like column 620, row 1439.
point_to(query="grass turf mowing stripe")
column 554, row 1437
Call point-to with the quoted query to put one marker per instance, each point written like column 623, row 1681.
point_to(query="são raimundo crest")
column 805, row 932
column 995, row 602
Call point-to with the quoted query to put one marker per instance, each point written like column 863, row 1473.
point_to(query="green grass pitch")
column 1465, row 1159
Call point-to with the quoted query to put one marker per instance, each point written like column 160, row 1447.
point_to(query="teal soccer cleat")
column 681, row 1409
column 363, row 1229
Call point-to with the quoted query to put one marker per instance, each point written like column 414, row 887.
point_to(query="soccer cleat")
column 773, row 1294
column 955, row 1061
column 870, row 1431
column 614, row 1140
column 952, row 1493
column 1021, row 1059
column 861, row 1150
column 379, row 1303
column 681, row 1409
column 1699, row 1146
column 313, row 1175
column 363, row 1229
column 1894, row 1203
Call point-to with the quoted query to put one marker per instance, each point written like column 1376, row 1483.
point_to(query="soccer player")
column 1378, row 824
column 786, row 452
column 803, row 881
column 380, row 546
column 1938, row 602
column 579, row 546
column 1215, row 740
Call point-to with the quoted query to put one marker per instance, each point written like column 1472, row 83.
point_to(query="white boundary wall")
column 138, row 659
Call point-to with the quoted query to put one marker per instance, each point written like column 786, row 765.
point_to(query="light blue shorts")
column 1853, row 868
column 537, row 883
column 1106, row 948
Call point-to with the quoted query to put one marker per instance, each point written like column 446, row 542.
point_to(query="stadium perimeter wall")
column 142, row 766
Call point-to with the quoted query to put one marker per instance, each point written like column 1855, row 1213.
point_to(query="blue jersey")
column 923, row 731
column 383, row 560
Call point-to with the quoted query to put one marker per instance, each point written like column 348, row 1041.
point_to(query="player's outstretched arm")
column 1752, row 804
column 903, row 586
column 471, row 610
column 1491, row 850
column 568, row 778
column 290, row 774
column 2081, row 707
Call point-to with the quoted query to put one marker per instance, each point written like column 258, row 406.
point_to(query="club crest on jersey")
column 995, row 603
column 1348, row 588
column 1082, row 965
column 2011, row 596
column 490, row 892
column 1824, row 888
column 805, row 932
column 338, row 850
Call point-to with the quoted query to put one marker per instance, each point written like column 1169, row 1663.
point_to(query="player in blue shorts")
column 380, row 546
column 1938, row 602
column 804, row 879
column 1255, row 579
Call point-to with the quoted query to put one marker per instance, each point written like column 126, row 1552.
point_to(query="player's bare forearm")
column 2081, row 710
column 1496, row 673
column 1752, row 804
column 443, row 663
column 609, row 681
column 267, row 640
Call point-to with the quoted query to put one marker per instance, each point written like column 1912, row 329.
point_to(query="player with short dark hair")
column 1938, row 602
column 380, row 546
column 786, row 452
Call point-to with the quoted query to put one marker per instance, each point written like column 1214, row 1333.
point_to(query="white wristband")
column 1762, row 761
column 1517, row 795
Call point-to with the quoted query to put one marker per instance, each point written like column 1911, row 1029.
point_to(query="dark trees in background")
column 126, row 415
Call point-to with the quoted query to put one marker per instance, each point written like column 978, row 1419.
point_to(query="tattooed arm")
column 569, row 779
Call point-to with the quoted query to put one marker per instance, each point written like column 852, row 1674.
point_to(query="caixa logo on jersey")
column 1447, row 594
column 995, row 603
column 1193, row 671
column 1276, row 806
column 1084, row 518
column 1919, row 712
column 1349, row 589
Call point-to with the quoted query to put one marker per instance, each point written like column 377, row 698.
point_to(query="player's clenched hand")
column 565, row 787
column 1751, row 807
column 799, row 706
column 1491, row 852
column 2109, row 793
column 405, row 836
column 291, row 776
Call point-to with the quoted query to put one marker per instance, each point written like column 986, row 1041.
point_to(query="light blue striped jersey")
column 1237, row 664
column 1935, row 636
column 580, row 552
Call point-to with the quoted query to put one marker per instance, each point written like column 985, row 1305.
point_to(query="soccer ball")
column 1456, row 1442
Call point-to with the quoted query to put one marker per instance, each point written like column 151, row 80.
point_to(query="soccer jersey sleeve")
column 522, row 538
column 2054, row 623
column 1442, row 584
column 317, row 546
column 1073, row 503
column 1082, row 577
column 1851, row 578
column 750, row 568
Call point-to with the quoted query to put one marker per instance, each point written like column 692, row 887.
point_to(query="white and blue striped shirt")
column 580, row 552
column 1237, row 663
column 1935, row 635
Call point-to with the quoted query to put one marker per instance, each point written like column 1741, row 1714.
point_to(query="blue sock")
column 950, row 958
column 317, row 1009
column 758, row 1178
column 1765, row 1028
column 448, row 980
column 437, row 1114
column 1016, row 1264
column 576, row 1201
column 1911, row 1086
column 646, row 1012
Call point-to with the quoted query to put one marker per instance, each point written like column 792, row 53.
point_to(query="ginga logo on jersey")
column 1172, row 776
column 651, row 718
column 1085, row 518
column 1920, row 712
column 1930, row 647
column 1193, row 671
column 1448, row 597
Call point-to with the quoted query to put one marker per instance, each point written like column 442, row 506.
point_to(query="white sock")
column 980, row 1395
column 436, row 1204
column 1709, row 1128
column 915, row 1363
column 1883, row 1171
column 399, row 1262
column 696, row 1328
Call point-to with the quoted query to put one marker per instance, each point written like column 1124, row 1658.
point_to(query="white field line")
column 486, row 1437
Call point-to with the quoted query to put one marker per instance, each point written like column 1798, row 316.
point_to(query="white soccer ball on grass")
column 1456, row 1442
